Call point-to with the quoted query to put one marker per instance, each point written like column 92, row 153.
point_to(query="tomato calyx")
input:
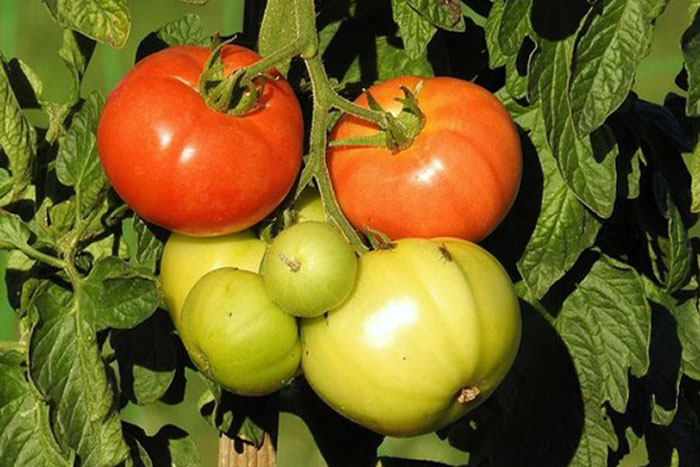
column 399, row 131
column 379, row 240
column 236, row 94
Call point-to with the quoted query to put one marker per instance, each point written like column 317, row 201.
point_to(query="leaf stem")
column 41, row 256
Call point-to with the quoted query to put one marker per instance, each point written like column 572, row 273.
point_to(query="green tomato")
column 309, row 206
column 309, row 269
column 236, row 336
column 186, row 259
column 429, row 332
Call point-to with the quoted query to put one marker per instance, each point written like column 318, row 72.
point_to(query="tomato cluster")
column 404, row 339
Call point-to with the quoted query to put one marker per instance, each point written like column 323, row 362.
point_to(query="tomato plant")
column 171, row 157
column 204, row 136
column 432, row 327
column 237, row 336
column 309, row 269
column 458, row 178
column 185, row 259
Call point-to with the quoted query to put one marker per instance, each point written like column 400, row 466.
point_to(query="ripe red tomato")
column 458, row 178
column 186, row 167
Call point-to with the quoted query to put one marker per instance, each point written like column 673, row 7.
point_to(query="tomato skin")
column 185, row 259
column 236, row 336
column 425, row 320
column 188, row 168
column 458, row 178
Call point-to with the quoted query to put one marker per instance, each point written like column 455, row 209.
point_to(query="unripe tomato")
column 309, row 206
column 186, row 167
column 309, row 269
column 458, row 178
column 186, row 259
column 430, row 330
column 236, row 336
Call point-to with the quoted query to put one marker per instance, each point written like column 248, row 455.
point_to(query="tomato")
column 430, row 330
column 236, row 336
column 185, row 259
column 309, row 206
column 458, row 178
column 309, row 269
column 188, row 168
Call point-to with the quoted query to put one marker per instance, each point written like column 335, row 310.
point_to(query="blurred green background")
column 27, row 32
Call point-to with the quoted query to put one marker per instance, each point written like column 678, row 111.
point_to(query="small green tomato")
column 236, row 336
column 309, row 269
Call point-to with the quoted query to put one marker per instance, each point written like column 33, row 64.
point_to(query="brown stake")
column 233, row 453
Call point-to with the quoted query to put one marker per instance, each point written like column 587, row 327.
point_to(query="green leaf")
column 17, row 136
column 65, row 364
column 497, row 57
column 232, row 414
column 118, row 296
column 147, row 356
column 516, row 85
column 13, row 232
column 76, row 52
column 187, row 30
column 415, row 31
column 587, row 165
column 606, row 57
column 686, row 312
column 106, row 21
column 77, row 163
column 26, row 438
column 635, row 175
column 26, row 84
column 679, row 254
column 279, row 28
column 514, row 26
column 692, row 161
column 690, row 43
column 606, row 324
column 142, row 246
column 392, row 62
column 445, row 14
column 171, row 446
column 565, row 228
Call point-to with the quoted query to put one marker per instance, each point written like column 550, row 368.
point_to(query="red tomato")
column 458, row 178
column 188, row 168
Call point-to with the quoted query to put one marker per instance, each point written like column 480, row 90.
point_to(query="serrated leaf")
column 514, row 26
column 17, row 136
column 26, row 84
column 170, row 446
column 686, row 312
column 187, row 30
column 635, row 175
column 77, row 163
column 497, row 57
column 106, row 21
column 692, row 161
column 147, row 356
column 665, row 371
column 26, row 438
column 14, row 233
column 516, row 85
column 606, row 57
column 587, row 165
column 65, row 365
column 233, row 415
column 415, row 31
column 565, row 228
column 142, row 246
column 679, row 255
column 445, row 14
column 597, row 435
column 279, row 28
column 391, row 63
column 76, row 52
column 690, row 44
column 606, row 324
column 118, row 296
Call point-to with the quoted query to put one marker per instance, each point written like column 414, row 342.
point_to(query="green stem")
column 43, row 257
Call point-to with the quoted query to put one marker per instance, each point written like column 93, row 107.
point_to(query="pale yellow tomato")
column 430, row 330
